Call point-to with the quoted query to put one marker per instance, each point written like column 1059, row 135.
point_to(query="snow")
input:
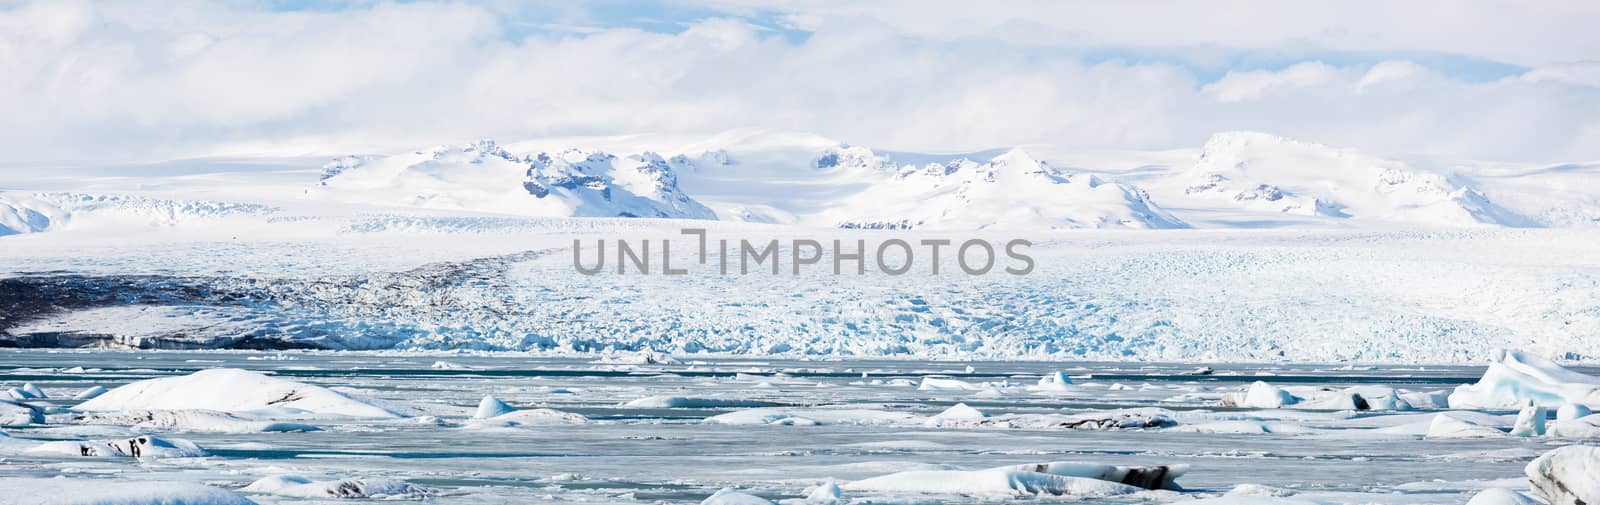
column 484, row 176
column 1566, row 476
column 79, row 491
column 302, row 487
column 996, row 482
column 231, row 390
column 1011, row 191
column 1266, row 173
column 1516, row 377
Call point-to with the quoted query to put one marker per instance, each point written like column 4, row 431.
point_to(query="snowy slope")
column 1010, row 191
column 1269, row 174
column 37, row 212
column 485, row 177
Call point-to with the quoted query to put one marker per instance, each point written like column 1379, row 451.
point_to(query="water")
column 629, row 455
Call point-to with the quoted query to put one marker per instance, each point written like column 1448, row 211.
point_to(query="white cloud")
column 116, row 80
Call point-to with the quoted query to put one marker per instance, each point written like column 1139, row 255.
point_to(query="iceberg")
column 1515, row 377
column 232, row 390
column 1566, row 476
column 993, row 482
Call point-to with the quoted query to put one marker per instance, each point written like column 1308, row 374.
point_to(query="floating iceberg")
column 1515, row 377
column 684, row 402
column 61, row 491
column 301, row 487
column 196, row 420
column 232, row 390
column 138, row 447
column 1566, row 476
column 993, row 482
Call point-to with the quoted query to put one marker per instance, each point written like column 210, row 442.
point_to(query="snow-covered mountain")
column 486, row 177
column 46, row 211
column 1265, row 173
column 1009, row 191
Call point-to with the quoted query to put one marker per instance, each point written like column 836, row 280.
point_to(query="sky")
column 143, row 80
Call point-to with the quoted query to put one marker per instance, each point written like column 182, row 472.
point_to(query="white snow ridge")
column 1010, row 191
column 486, row 177
column 1267, row 173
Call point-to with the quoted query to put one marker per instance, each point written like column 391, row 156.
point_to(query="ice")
column 991, row 483
column 1260, row 396
column 491, row 407
column 231, row 390
column 1502, row 496
column 189, row 420
column 301, row 487
column 1147, row 477
column 684, row 402
column 79, row 491
column 138, row 447
column 942, row 384
column 1119, row 419
column 728, row 496
column 813, row 417
column 1515, row 377
column 1566, row 476
column 90, row 393
column 1587, row 427
column 530, row 417
column 1530, row 421
column 17, row 413
column 1571, row 411
column 959, row 411
column 827, row 493
column 1449, row 426
column 1056, row 381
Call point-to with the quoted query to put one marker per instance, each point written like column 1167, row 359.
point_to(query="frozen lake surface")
column 872, row 418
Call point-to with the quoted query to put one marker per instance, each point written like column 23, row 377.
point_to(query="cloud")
column 118, row 80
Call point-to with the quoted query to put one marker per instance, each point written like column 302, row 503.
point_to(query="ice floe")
column 64, row 491
column 137, row 447
column 301, row 487
column 232, row 390
column 994, row 482
column 685, row 402
column 1449, row 426
column 194, row 420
